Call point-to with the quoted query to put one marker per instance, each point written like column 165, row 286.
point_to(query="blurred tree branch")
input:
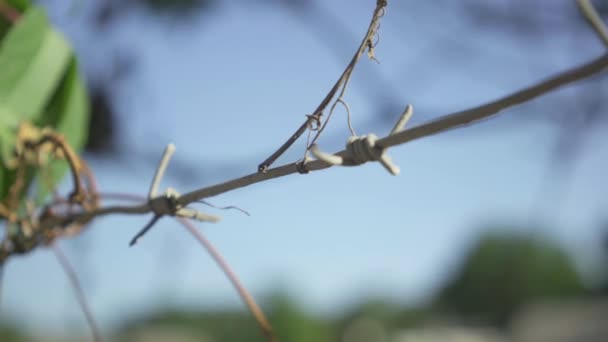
column 594, row 19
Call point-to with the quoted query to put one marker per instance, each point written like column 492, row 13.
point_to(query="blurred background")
column 496, row 232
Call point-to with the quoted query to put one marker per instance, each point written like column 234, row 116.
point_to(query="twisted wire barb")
column 166, row 204
column 362, row 149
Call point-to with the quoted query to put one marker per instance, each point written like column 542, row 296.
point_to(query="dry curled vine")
column 33, row 149
column 64, row 216
column 313, row 121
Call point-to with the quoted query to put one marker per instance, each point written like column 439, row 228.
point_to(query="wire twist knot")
column 362, row 149
column 167, row 204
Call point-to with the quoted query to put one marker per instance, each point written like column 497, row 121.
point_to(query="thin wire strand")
column 78, row 291
column 234, row 207
column 253, row 307
column 349, row 121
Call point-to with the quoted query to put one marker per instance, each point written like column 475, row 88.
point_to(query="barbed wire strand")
column 441, row 124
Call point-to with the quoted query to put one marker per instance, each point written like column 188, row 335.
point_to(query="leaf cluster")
column 40, row 88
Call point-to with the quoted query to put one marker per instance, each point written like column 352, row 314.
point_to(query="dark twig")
column 144, row 230
column 340, row 84
column 74, row 161
column 80, row 296
column 118, row 196
column 242, row 291
column 8, row 12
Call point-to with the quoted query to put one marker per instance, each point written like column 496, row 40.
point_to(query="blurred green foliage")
column 291, row 323
column 8, row 333
column 222, row 325
column 504, row 271
column 40, row 83
column 500, row 273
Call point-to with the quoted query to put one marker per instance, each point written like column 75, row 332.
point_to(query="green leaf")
column 33, row 58
column 40, row 83
column 18, row 47
column 3, row 183
column 8, row 133
column 68, row 112
column 19, row 5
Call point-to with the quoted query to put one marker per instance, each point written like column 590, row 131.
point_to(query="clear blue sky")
column 228, row 88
